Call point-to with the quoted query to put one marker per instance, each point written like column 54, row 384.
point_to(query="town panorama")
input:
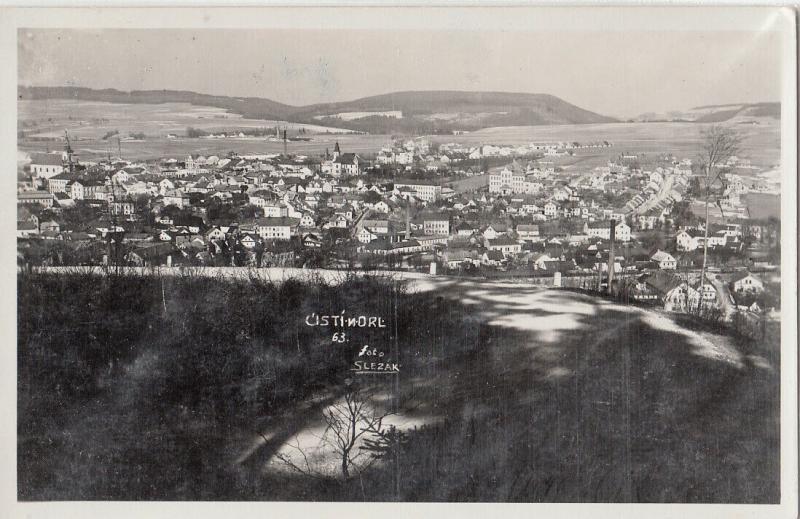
column 403, row 266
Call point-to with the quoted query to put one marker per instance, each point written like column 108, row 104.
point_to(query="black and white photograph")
column 405, row 255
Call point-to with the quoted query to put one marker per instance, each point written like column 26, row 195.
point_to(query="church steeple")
column 336, row 151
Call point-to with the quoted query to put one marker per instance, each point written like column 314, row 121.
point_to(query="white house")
column 365, row 235
column 689, row 240
column 664, row 259
column 307, row 220
column 550, row 210
column 505, row 245
column 746, row 282
column 527, row 232
column 276, row 228
column 602, row 230
column 494, row 230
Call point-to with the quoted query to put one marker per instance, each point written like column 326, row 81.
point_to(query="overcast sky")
column 619, row 74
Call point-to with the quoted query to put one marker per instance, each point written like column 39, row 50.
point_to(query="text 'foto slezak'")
column 369, row 359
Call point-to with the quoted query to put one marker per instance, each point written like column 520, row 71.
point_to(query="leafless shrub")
column 354, row 431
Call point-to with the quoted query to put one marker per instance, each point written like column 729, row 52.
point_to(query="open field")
column 88, row 121
column 761, row 142
column 152, row 149
column 92, row 119
column 188, row 387
column 763, row 206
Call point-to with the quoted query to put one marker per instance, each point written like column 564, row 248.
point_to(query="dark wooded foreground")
column 146, row 388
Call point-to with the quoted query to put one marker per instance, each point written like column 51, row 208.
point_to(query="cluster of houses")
column 730, row 293
column 549, row 149
column 411, row 152
column 267, row 209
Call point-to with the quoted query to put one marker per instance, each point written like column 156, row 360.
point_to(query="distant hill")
column 458, row 110
column 721, row 113
column 412, row 112
column 254, row 107
column 717, row 113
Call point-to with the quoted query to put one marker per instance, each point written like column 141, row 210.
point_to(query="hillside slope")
column 252, row 107
column 717, row 113
column 721, row 113
column 463, row 110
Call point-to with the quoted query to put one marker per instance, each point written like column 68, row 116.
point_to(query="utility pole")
column 611, row 255
column 599, row 277
column 113, row 253
column 705, row 237
column 408, row 222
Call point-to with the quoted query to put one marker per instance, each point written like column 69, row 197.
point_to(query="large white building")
column 342, row 164
column 47, row 165
column 35, row 197
column 275, row 209
column 58, row 183
column 423, row 191
column 506, row 182
column 346, row 164
column 436, row 225
column 514, row 181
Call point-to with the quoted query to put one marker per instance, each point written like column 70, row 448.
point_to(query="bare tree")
column 719, row 145
column 349, row 423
